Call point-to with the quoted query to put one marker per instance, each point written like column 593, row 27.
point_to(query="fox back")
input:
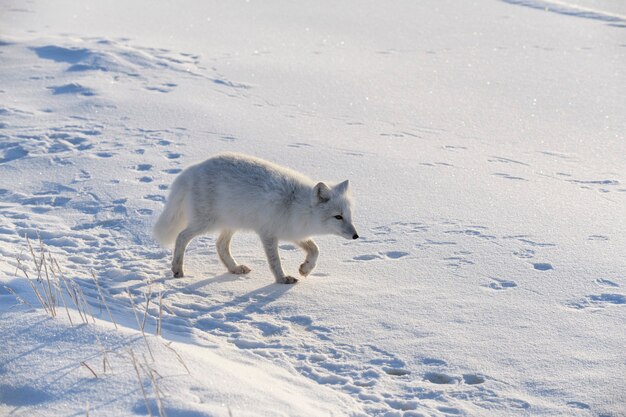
column 238, row 192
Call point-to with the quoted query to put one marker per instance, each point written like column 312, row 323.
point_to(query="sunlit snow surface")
column 484, row 142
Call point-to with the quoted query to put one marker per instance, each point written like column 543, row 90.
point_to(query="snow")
column 484, row 143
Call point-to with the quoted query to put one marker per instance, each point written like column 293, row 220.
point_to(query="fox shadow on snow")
column 238, row 308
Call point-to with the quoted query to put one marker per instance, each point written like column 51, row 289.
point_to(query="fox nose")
column 355, row 236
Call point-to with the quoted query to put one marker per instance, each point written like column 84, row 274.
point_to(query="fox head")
column 332, row 209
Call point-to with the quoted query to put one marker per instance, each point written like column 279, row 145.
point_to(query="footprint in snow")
column 395, row 254
column 598, row 301
column 366, row 257
column 508, row 176
column 445, row 379
column 579, row 405
column 12, row 154
column 72, row 88
column 433, row 362
column 163, row 88
column 381, row 255
column 524, row 253
column 143, row 167
column 155, row 197
column 606, row 283
column 441, row 379
column 473, row 379
column 501, row 284
column 542, row 266
column 396, row 371
column 104, row 154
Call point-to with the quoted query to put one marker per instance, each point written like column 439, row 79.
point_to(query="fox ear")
column 321, row 193
column 342, row 188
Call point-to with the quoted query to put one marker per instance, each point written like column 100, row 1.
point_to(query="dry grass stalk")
column 20, row 299
column 93, row 276
column 32, row 254
column 160, row 318
column 145, row 313
column 49, row 290
column 89, row 367
column 132, row 303
column 86, row 307
column 157, row 390
column 105, row 357
column 143, row 391
column 70, row 286
column 57, row 285
column 50, row 285
column 180, row 358
column 33, row 287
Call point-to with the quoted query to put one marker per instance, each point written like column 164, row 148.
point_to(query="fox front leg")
column 270, row 244
column 312, row 252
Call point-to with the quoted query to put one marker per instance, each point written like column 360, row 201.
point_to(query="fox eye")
column 338, row 217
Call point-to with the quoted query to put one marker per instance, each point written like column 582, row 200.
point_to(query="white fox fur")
column 231, row 192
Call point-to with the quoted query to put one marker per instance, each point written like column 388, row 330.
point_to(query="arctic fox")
column 232, row 192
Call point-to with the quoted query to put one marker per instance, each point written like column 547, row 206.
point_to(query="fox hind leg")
column 223, row 250
column 182, row 241
column 312, row 252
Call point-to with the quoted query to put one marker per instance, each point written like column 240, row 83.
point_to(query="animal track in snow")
column 579, row 405
column 396, row 371
column 526, row 240
column 434, row 362
column 155, row 197
column 598, row 301
column 458, row 260
column 367, row 257
column 473, row 232
column 163, row 88
column 173, row 155
column 454, row 147
column 603, row 185
column 440, row 378
column 395, row 254
column 299, row 145
column 104, row 154
column 72, row 89
column 436, row 164
column 501, row 284
column 473, row 379
column 606, row 283
column 542, row 266
column 381, row 255
column 504, row 160
column 509, row 176
column 143, row 167
column 12, row 153
column 524, row 253
column 445, row 379
column 172, row 171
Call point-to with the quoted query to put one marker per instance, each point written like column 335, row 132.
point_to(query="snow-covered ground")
column 485, row 146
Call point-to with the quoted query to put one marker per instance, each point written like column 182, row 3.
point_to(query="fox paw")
column 306, row 268
column 287, row 280
column 178, row 273
column 240, row 269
